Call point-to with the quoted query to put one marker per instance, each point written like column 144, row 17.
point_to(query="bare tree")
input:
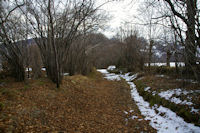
column 150, row 53
column 152, row 30
column 188, row 16
column 55, row 25
column 133, row 50
column 183, row 16
column 11, row 36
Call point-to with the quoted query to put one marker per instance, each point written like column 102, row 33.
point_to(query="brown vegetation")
column 82, row 104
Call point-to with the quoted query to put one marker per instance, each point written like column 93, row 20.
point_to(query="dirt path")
column 83, row 104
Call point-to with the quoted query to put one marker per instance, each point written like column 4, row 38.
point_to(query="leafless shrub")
column 12, row 31
column 56, row 30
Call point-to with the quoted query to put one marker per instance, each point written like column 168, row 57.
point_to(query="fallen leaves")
column 81, row 105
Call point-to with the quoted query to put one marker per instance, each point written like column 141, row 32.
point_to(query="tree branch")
column 18, row 6
column 175, row 12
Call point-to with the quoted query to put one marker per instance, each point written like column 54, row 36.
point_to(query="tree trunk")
column 168, row 58
column 55, row 51
column 150, row 53
column 190, row 45
column 176, row 62
column 18, row 72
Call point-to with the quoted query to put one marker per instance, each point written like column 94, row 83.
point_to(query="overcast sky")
column 120, row 11
column 133, row 11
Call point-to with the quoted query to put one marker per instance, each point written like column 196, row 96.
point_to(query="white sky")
column 120, row 11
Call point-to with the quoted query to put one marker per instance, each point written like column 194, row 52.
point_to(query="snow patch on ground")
column 169, row 93
column 166, row 94
column 65, row 74
column 109, row 76
column 147, row 89
column 169, row 122
column 154, row 93
column 134, row 117
column 111, row 68
column 43, row 69
column 126, row 112
column 130, row 111
column 103, row 71
column 127, row 77
column 194, row 110
column 113, row 77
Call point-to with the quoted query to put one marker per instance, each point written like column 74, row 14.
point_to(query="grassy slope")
column 82, row 104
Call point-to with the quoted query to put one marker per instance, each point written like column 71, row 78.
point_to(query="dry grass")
column 166, row 83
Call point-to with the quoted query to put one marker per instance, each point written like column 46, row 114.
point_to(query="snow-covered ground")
column 111, row 67
column 172, row 64
column 169, row 93
column 167, row 123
